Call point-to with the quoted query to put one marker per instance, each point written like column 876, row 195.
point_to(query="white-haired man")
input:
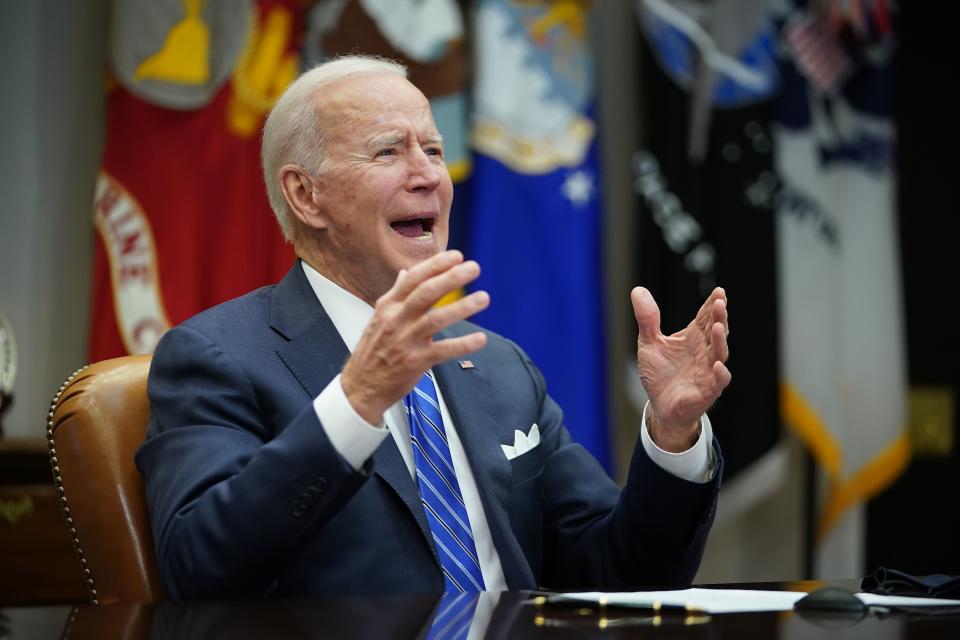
column 323, row 435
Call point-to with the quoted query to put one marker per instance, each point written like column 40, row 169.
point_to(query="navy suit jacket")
column 248, row 497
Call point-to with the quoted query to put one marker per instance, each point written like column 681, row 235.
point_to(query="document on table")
column 730, row 600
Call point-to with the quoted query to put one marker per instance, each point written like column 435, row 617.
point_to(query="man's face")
column 383, row 191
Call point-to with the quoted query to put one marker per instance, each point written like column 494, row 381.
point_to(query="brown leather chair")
column 96, row 422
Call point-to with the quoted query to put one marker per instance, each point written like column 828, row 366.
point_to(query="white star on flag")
column 578, row 187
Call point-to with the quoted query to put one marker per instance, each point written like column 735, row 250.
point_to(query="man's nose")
column 424, row 171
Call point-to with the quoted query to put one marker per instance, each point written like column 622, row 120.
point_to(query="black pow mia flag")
column 702, row 225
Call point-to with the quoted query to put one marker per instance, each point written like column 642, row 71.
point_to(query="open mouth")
column 421, row 228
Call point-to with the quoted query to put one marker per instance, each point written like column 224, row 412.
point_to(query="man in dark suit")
column 326, row 434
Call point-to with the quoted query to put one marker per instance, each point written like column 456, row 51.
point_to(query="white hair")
column 292, row 133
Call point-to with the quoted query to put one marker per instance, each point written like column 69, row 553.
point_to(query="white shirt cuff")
column 696, row 464
column 354, row 438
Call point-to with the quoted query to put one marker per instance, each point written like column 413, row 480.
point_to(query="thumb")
column 647, row 312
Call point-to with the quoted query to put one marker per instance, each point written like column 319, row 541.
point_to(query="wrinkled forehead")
column 367, row 99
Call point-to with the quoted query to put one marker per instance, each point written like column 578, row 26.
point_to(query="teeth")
column 426, row 235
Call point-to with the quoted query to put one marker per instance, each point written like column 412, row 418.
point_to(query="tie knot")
column 425, row 386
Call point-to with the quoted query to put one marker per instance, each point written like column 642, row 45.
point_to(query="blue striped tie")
column 440, row 491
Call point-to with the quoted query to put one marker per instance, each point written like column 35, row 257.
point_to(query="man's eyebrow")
column 389, row 139
column 386, row 140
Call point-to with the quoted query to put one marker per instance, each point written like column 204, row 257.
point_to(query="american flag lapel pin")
column 467, row 364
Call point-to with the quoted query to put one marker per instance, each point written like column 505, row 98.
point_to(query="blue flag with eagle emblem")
column 535, row 225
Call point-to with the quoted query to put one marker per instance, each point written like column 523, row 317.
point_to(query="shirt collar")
column 348, row 313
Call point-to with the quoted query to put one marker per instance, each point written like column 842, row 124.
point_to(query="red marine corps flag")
column 180, row 210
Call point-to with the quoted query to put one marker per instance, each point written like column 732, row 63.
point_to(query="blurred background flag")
column 709, row 90
column 842, row 341
column 535, row 199
column 180, row 210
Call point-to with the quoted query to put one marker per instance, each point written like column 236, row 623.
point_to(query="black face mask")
column 897, row 583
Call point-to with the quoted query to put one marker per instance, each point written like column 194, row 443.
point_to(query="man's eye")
column 385, row 152
column 434, row 151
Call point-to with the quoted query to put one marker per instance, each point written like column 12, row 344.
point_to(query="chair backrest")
column 96, row 422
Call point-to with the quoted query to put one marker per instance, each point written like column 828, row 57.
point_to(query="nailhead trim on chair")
column 58, row 481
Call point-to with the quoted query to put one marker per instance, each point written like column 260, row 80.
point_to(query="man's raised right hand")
column 398, row 346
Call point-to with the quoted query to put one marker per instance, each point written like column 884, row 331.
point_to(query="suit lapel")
column 315, row 354
column 467, row 393
column 314, row 351
column 389, row 465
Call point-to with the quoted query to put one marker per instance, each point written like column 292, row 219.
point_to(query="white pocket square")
column 522, row 442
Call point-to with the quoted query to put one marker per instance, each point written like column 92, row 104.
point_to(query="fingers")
column 705, row 315
column 647, row 313
column 719, row 349
column 450, row 348
column 406, row 319
column 410, row 279
column 431, row 290
column 397, row 345
column 418, row 289
column 719, row 314
column 721, row 377
column 718, row 293
column 437, row 319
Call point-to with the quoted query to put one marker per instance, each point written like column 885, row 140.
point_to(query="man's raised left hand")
column 684, row 373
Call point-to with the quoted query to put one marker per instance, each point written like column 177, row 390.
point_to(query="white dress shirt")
column 356, row 440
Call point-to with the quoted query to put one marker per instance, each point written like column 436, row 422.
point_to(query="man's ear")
column 297, row 187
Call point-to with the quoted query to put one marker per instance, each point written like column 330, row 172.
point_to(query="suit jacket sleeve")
column 596, row 535
column 231, row 498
